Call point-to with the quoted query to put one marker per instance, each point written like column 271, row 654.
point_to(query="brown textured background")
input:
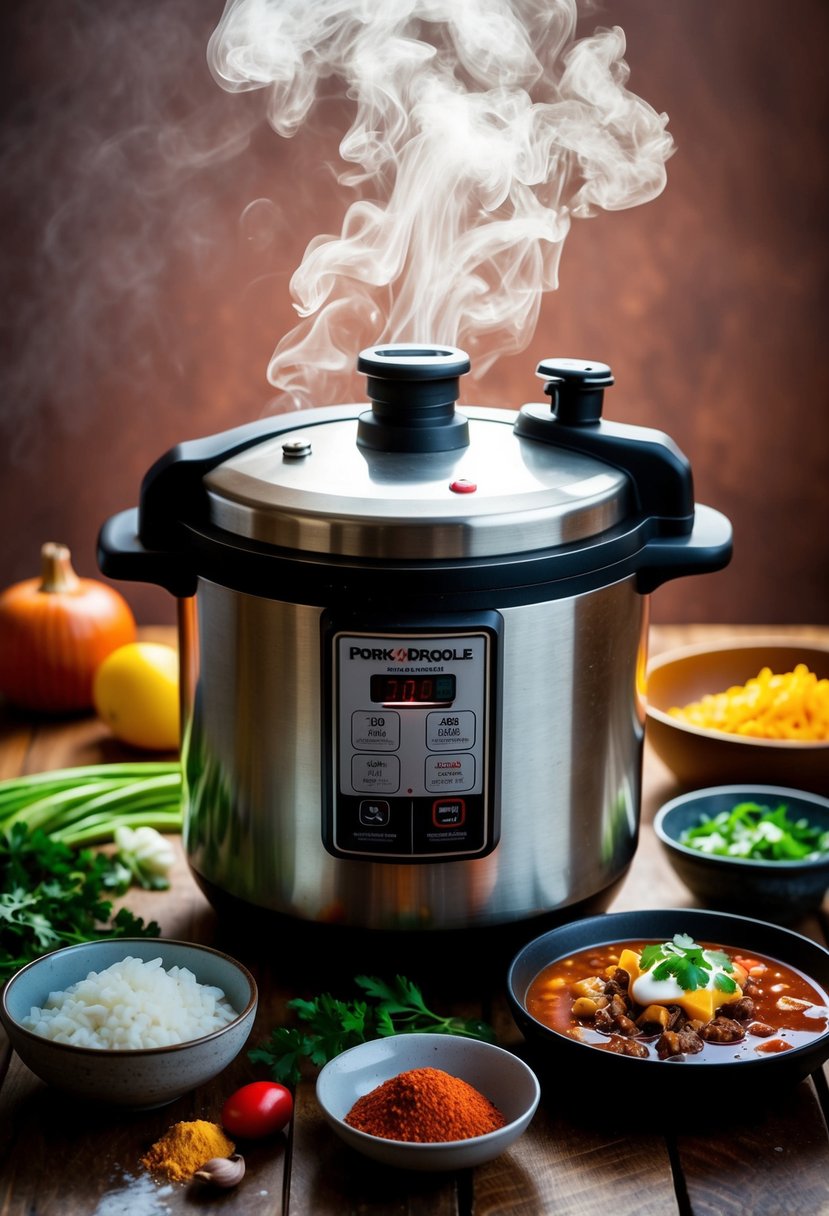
column 140, row 308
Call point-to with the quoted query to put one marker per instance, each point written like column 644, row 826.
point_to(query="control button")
column 450, row 773
column 462, row 486
column 452, row 730
column 374, row 813
column 448, row 812
column 375, row 774
column 373, row 731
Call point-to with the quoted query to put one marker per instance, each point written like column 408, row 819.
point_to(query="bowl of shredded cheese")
column 752, row 711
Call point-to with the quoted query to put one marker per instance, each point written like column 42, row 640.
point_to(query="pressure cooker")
column 413, row 642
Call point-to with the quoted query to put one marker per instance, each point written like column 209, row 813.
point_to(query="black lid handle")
column 576, row 388
column 660, row 474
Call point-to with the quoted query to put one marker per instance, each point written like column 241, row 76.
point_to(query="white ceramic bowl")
column 498, row 1074
column 142, row 1078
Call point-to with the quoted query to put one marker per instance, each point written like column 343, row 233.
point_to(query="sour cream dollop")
column 699, row 1002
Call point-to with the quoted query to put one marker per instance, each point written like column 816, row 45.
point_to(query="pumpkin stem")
column 56, row 568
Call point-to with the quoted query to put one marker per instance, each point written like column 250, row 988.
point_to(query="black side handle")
column 706, row 548
column 147, row 544
column 121, row 555
column 173, row 490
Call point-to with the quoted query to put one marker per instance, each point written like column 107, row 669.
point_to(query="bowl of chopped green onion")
column 750, row 849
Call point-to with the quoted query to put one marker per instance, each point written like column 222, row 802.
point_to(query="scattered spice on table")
column 185, row 1147
column 425, row 1105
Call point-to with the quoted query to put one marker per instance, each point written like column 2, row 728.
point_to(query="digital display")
column 412, row 690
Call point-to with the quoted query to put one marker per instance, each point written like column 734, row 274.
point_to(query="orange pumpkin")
column 54, row 633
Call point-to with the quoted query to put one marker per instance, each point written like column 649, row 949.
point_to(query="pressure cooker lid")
column 411, row 477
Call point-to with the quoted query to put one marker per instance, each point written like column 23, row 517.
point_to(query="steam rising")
column 478, row 130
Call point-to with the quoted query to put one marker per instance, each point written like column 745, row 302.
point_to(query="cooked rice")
column 132, row 1004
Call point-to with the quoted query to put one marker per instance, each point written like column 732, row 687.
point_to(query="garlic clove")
column 222, row 1171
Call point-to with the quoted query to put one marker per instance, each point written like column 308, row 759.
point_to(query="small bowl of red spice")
column 428, row 1101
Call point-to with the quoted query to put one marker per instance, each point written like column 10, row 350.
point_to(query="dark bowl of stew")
column 761, row 1021
column 749, row 848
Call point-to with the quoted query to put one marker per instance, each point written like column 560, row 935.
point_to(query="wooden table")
column 58, row 1159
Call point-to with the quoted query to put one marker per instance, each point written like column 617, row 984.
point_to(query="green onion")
column 53, row 889
column 84, row 805
column 757, row 833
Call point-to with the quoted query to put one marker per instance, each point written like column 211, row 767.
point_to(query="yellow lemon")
column 135, row 692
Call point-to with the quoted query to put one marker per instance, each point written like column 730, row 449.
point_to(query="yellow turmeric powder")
column 186, row 1146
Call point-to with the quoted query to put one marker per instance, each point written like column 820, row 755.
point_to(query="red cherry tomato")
column 258, row 1109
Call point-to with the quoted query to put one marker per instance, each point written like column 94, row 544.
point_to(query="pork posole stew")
column 680, row 1000
column 645, row 998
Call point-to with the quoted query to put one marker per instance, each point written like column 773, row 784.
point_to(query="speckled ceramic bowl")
column 776, row 890
column 497, row 1074
column 140, row 1078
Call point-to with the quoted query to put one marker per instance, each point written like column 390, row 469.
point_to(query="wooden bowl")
column 701, row 757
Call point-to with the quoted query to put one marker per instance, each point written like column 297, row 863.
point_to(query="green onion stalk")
column 84, row 805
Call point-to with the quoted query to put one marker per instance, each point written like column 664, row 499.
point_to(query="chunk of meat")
column 618, row 982
column 615, row 1017
column 619, row 1006
column 626, row 1026
column 690, row 1041
column 685, row 1042
column 740, row 1010
column 627, row 1047
column 722, row 1030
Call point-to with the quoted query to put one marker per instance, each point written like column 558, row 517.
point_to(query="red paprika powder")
column 425, row 1105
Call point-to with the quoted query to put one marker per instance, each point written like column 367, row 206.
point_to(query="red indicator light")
column 462, row 486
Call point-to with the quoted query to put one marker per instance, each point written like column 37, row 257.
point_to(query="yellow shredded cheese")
column 794, row 705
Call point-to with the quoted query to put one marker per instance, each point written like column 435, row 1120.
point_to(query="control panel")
column 412, row 743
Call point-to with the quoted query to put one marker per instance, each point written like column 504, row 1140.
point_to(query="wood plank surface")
column 59, row 1159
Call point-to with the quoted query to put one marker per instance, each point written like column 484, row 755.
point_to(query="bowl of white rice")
column 132, row 1022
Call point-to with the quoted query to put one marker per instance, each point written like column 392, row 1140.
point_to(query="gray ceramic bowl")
column 141, row 1078
column 498, row 1074
column 777, row 890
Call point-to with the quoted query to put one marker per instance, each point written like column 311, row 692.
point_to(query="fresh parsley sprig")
column 689, row 964
column 329, row 1026
column 52, row 895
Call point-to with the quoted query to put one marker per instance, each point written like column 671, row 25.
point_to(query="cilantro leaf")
column 688, row 963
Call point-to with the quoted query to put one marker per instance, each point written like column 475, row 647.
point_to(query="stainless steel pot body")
column 413, row 644
column 567, row 781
